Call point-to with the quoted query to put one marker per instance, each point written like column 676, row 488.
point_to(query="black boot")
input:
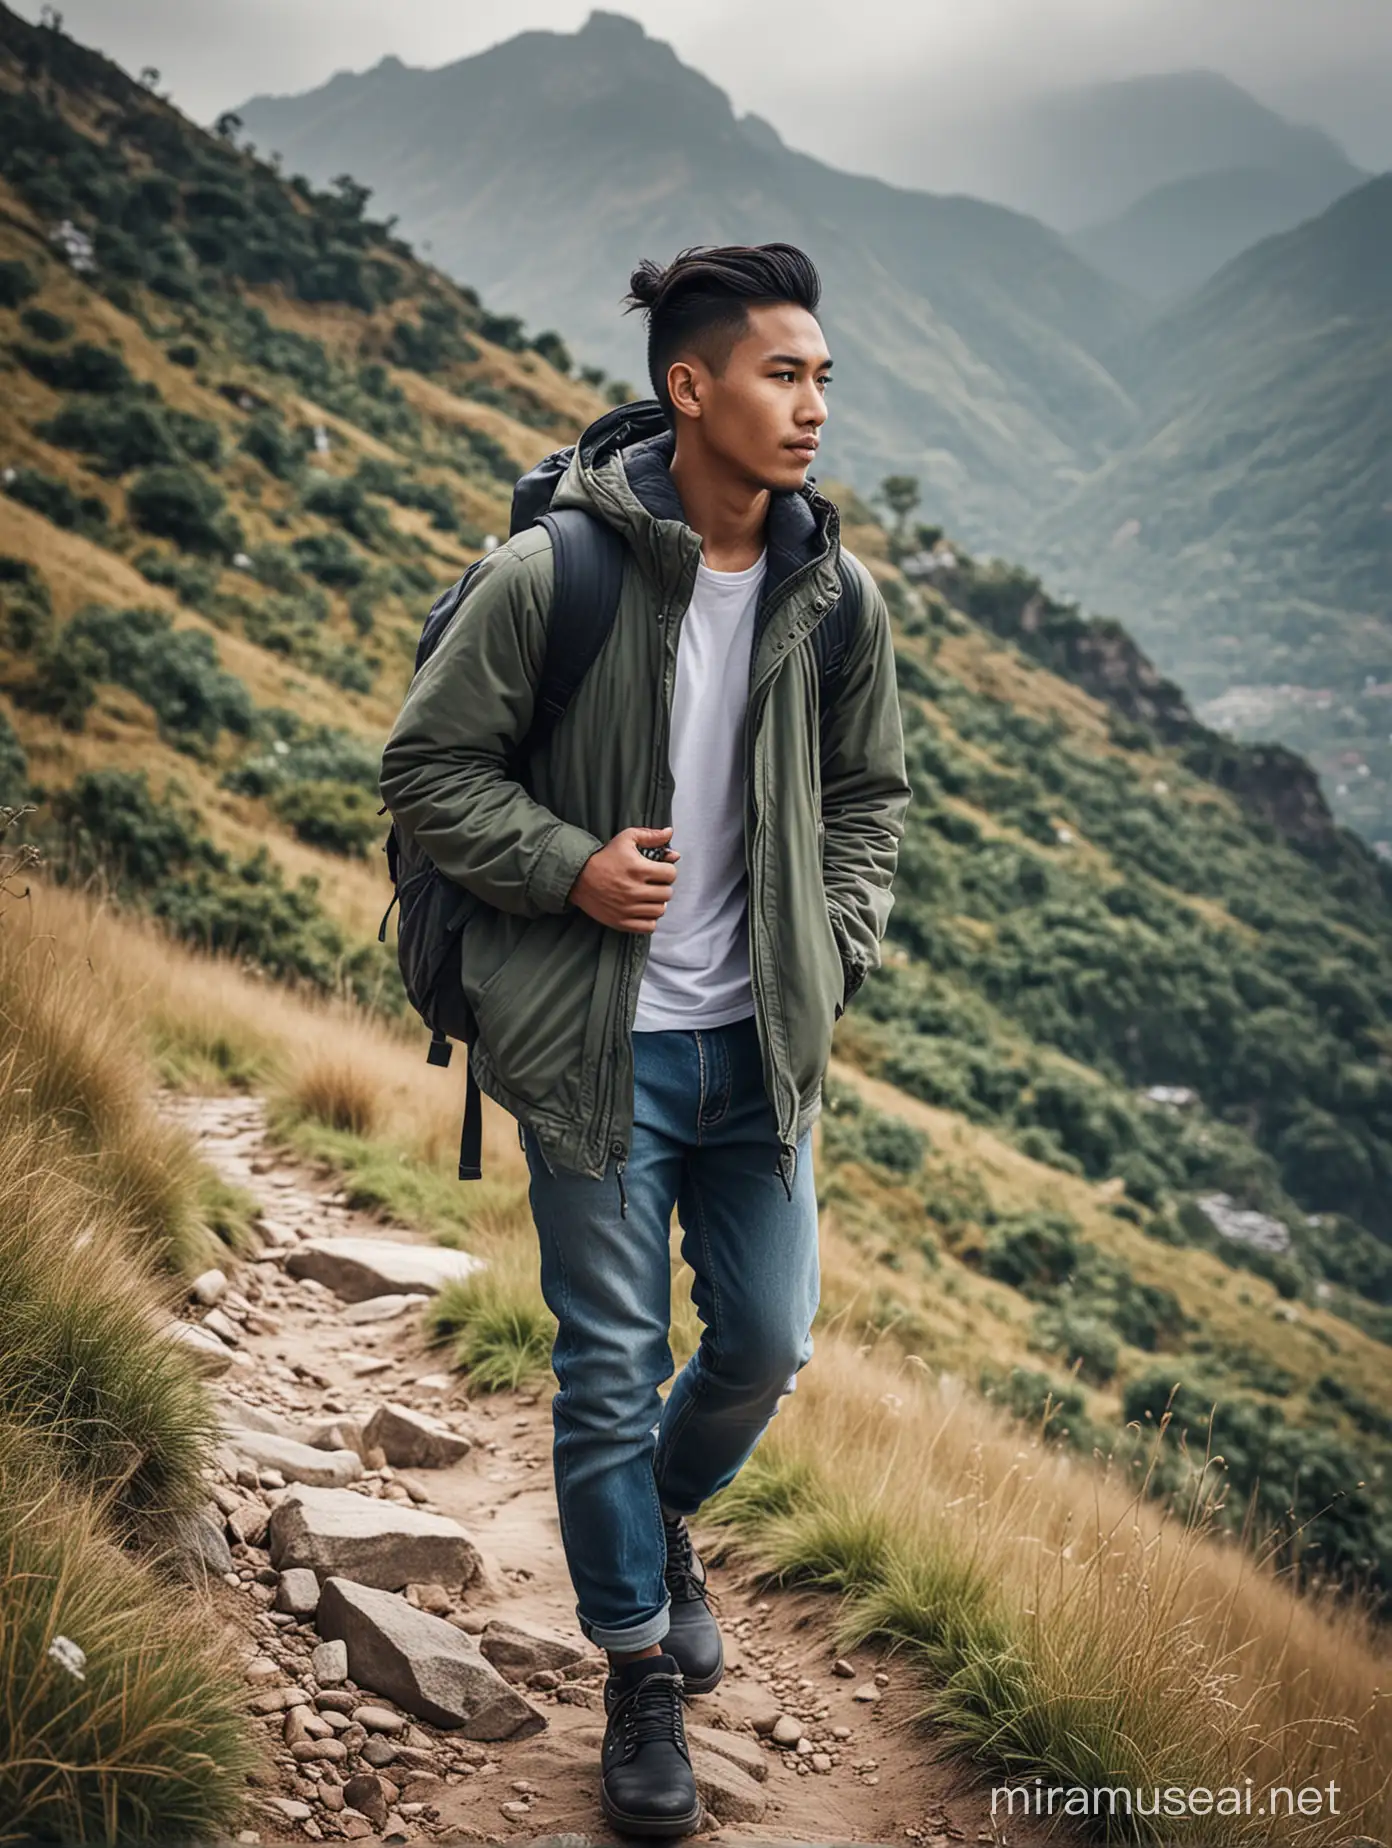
column 645, row 1781
column 693, row 1635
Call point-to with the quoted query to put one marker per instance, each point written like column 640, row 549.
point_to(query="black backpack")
column 588, row 562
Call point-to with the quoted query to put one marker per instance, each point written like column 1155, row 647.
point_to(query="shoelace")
column 681, row 1576
column 652, row 1713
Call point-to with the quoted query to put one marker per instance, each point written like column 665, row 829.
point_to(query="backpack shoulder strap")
column 832, row 638
column 588, row 565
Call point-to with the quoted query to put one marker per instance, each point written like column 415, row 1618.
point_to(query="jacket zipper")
column 783, row 592
column 616, row 1144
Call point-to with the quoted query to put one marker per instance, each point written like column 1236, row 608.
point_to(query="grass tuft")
column 501, row 1329
column 342, row 1097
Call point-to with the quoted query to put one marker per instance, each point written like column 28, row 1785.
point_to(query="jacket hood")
column 621, row 470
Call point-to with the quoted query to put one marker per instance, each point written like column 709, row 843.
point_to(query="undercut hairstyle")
column 700, row 303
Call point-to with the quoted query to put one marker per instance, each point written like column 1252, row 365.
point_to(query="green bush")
column 26, row 609
column 14, row 766
column 1033, row 1252
column 279, row 451
column 1078, row 1339
column 183, row 353
column 84, row 367
column 126, row 433
column 43, row 324
column 331, row 815
column 17, row 283
column 343, row 500
column 330, row 558
column 192, row 582
column 56, row 501
column 175, row 671
column 179, row 504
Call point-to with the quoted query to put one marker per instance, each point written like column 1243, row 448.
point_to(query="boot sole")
column 651, row 1825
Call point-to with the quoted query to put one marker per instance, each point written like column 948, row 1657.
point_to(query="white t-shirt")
column 697, row 972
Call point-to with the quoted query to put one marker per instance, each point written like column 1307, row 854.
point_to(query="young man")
column 661, row 1026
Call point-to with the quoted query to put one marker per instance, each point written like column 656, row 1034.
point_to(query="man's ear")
column 685, row 387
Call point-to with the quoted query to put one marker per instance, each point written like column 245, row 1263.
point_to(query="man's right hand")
column 623, row 888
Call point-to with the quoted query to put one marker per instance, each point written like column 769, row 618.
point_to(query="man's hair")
column 700, row 303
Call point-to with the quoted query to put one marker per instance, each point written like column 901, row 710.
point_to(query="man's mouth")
column 806, row 449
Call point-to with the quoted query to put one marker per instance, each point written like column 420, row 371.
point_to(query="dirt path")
column 858, row 1774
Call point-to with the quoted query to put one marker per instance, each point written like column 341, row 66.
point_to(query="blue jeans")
column 705, row 1140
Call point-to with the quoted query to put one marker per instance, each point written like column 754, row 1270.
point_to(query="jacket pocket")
column 534, row 1008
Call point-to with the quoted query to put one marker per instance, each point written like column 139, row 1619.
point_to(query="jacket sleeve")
column 444, row 769
column 865, row 791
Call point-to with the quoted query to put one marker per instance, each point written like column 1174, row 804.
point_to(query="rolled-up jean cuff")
column 636, row 1636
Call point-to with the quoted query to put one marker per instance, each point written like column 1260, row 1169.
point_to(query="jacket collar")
column 621, row 469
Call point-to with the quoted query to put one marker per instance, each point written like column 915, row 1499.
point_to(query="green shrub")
column 126, row 433
column 330, row 558
column 179, row 504
column 26, row 609
column 192, row 583
column 280, row 451
column 43, row 324
column 84, row 367
column 1033, row 1252
column 175, row 671
column 1078, row 1339
column 14, row 766
column 183, row 353
column 343, row 500
column 331, row 815
column 56, row 501
column 319, row 755
column 17, row 283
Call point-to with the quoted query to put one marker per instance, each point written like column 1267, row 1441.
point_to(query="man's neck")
column 727, row 512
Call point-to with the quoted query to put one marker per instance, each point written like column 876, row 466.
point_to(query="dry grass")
column 338, row 1095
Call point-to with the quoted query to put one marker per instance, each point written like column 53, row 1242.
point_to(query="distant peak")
column 760, row 133
column 613, row 25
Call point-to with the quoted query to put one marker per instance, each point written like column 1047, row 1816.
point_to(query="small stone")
column 209, row 1288
column 261, row 1669
column 355, row 1826
column 380, row 1719
column 787, row 1731
column 223, row 1327
column 379, row 1751
column 840, row 1732
column 516, row 1809
column 845, row 1669
column 365, row 1793
column 866, row 1691
column 298, row 1592
column 821, row 1761
column 881, row 1679
column 330, row 1662
column 291, row 1808
column 336, row 1700
column 270, row 1479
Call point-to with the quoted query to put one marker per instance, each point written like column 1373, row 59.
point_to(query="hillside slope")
column 1217, row 479
column 248, row 436
column 1173, row 239
column 966, row 336
column 1244, row 531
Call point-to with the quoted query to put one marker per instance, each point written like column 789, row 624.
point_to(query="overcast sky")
column 1325, row 61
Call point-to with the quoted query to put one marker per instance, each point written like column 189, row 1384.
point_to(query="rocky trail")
column 386, row 1552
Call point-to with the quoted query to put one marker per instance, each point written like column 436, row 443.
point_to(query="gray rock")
column 223, row 1327
column 201, row 1544
column 318, row 1469
column 423, row 1664
column 384, row 1544
column 414, row 1440
column 517, row 1650
column 358, row 1268
column 738, row 1747
column 724, row 1788
column 209, row 1289
column 384, row 1308
column 298, row 1592
column 236, row 1415
column 336, row 1433
column 248, row 1521
column 788, row 1730
column 208, row 1354
column 329, row 1661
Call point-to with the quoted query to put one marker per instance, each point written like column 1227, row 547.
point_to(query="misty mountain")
column 1172, row 240
column 969, row 340
column 1082, row 157
column 1246, row 528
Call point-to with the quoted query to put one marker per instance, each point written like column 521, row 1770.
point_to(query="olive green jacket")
column 554, row 990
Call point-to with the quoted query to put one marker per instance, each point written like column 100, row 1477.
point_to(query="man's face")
column 763, row 411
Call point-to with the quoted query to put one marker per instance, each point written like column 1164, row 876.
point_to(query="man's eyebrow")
column 795, row 359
